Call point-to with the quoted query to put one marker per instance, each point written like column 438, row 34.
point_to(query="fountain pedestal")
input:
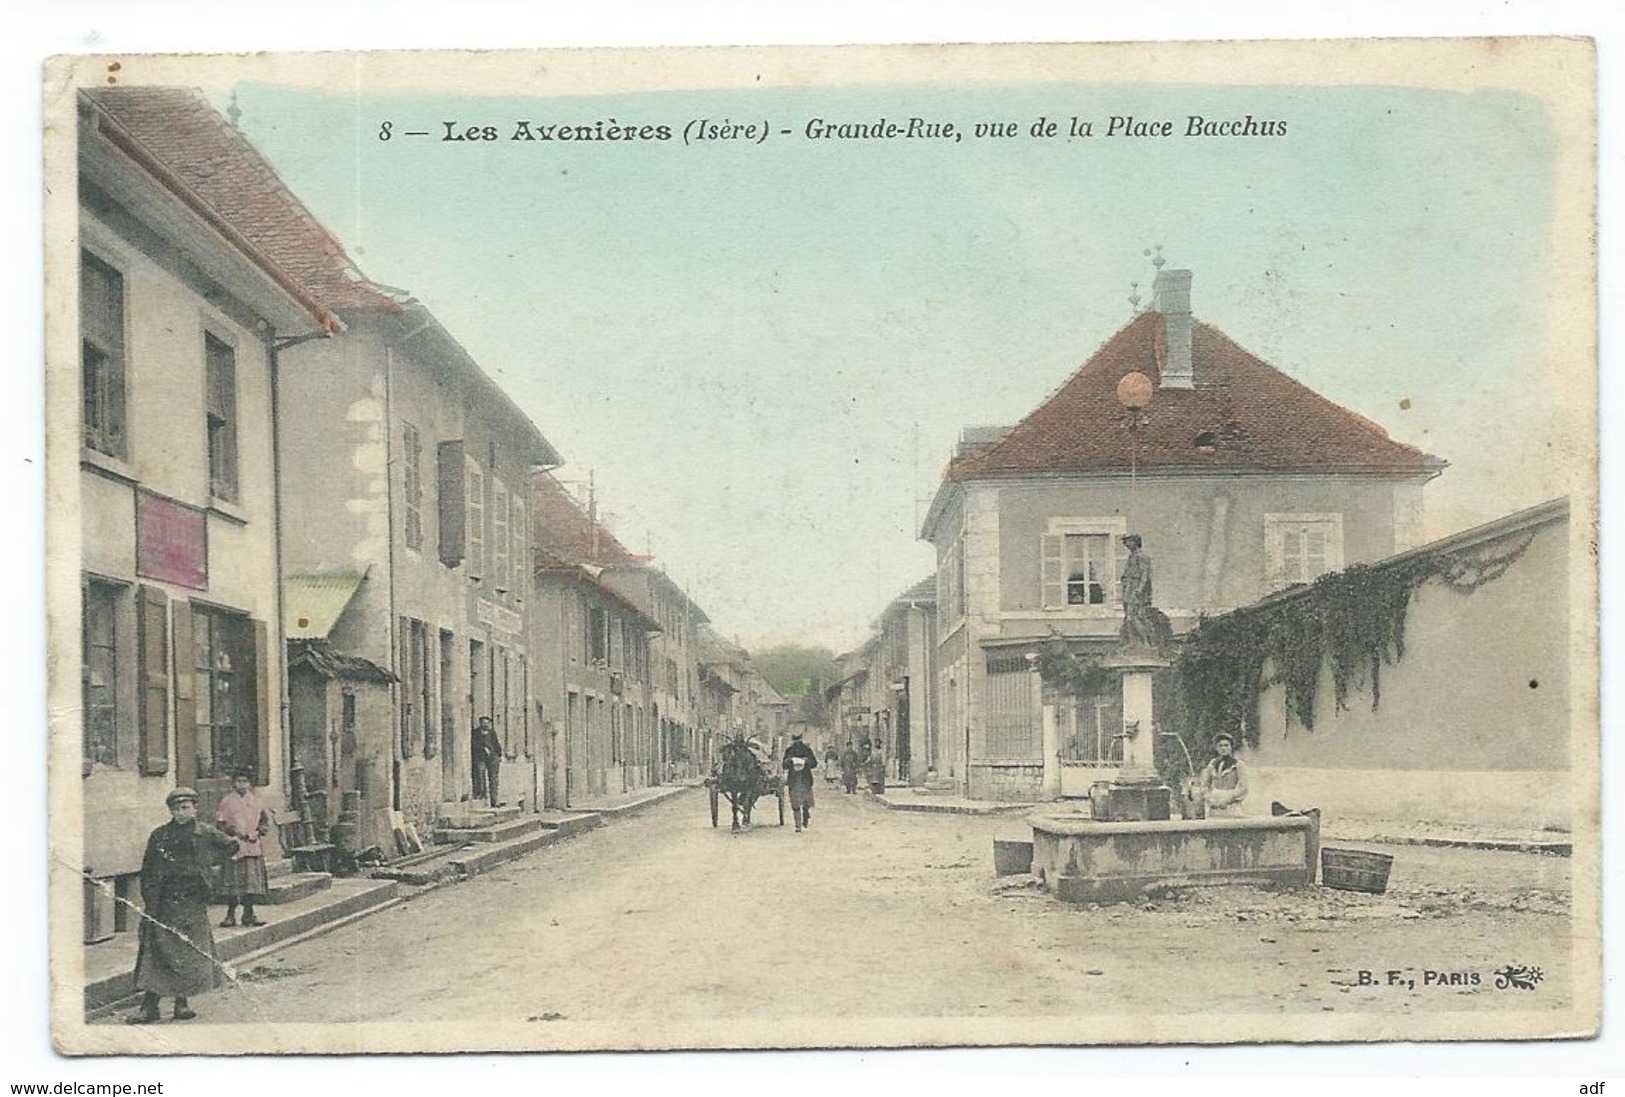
column 1137, row 794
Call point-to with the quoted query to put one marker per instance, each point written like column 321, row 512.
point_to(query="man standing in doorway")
column 487, row 756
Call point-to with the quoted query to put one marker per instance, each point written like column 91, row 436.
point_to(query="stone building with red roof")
column 396, row 470
column 195, row 268
column 596, row 657
column 1239, row 479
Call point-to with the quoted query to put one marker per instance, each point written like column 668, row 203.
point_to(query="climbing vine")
column 1354, row 619
column 1067, row 672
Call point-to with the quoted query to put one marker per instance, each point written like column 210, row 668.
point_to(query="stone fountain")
column 1130, row 844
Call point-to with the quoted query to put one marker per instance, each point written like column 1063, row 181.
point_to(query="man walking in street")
column 799, row 762
column 175, row 954
column 849, row 767
column 487, row 756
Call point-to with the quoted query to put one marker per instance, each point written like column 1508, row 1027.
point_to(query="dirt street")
column 877, row 913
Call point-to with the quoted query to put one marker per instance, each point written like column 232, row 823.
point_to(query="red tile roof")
column 219, row 168
column 1246, row 413
column 564, row 533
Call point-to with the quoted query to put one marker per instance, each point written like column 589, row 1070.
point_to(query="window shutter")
column 263, row 712
column 153, row 641
column 1274, row 535
column 476, row 521
column 1052, row 570
column 434, row 689
column 403, row 671
column 185, row 697
column 449, row 472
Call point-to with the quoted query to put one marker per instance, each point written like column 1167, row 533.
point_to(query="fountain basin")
column 1083, row 861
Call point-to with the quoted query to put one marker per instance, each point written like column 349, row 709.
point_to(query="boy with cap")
column 175, row 955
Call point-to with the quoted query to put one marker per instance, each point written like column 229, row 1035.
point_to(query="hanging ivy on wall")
column 1354, row 619
column 1067, row 672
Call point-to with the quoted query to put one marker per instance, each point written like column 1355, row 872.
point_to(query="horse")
column 739, row 778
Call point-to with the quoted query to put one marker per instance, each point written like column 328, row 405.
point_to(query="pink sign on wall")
column 172, row 542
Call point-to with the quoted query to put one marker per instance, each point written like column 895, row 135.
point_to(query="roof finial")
column 1157, row 260
column 233, row 111
column 1134, row 296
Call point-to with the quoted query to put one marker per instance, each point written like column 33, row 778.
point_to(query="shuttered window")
column 521, row 549
column 417, row 688
column 101, row 356
column 476, row 522
column 412, row 495
column 1013, row 730
column 1300, row 548
column 152, row 643
column 220, row 360
column 500, row 545
column 452, row 507
column 1078, row 563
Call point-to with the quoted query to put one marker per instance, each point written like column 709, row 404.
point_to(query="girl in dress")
column 243, row 817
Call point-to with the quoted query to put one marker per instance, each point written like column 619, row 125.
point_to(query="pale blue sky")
column 742, row 341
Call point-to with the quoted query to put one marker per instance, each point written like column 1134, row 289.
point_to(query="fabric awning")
column 312, row 603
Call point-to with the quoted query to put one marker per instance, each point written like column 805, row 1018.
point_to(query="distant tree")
column 796, row 671
column 811, row 707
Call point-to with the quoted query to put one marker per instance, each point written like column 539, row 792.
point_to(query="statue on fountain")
column 1145, row 627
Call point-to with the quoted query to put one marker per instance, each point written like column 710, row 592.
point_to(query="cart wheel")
column 781, row 805
column 713, row 805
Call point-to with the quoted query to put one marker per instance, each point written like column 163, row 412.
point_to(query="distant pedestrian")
column 832, row 763
column 243, row 817
column 849, row 767
column 1224, row 780
column 875, row 769
column 799, row 763
column 487, row 757
column 175, row 955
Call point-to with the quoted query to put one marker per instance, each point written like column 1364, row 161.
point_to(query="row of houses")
column 318, row 543
column 1242, row 484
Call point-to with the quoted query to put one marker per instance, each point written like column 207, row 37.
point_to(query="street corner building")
column 306, row 519
column 1239, row 480
column 182, row 316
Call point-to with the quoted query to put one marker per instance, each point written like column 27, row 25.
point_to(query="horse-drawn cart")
column 742, row 778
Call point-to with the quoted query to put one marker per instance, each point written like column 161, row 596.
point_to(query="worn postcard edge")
column 1561, row 72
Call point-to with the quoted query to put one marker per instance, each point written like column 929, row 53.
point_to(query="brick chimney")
column 1171, row 296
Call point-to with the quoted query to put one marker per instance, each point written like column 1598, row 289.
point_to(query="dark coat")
column 175, row 950
column 849, row 762
column 800, row 782
column 487, row 747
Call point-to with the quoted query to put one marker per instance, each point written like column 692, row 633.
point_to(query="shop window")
column 225, row 711
column 105, row 724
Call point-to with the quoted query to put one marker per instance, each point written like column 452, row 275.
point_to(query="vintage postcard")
column 823, row 547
